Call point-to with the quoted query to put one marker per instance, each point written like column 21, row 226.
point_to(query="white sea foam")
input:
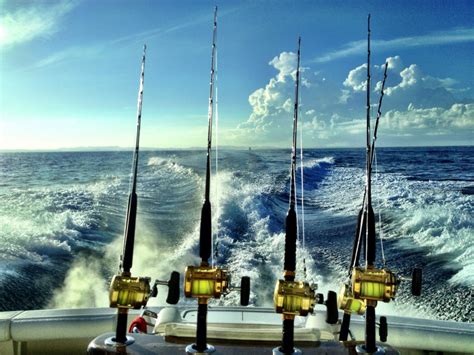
column 40, row 223
column 84, row 286
column 312, row 162
column 432, row 215
column 169, row 167
column 157, row 161
column 154, row 254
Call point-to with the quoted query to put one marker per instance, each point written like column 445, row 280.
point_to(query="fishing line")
column 360, row 230
column 379, row 213
column 368, row 135
column 296, row 205
column 214, row 252
column 302, row 199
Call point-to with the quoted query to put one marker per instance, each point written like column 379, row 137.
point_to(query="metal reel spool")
column 294, row 298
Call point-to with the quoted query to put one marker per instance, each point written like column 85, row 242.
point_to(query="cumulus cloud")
column 275, row 97
column 357, row 78
column 432, row 121
column 334, row 114
column 413, row 76
column 404, row 85
column 272, row 105
column 285, row 63
column 29, row 22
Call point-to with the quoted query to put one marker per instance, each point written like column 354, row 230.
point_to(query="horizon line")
column 126, row 149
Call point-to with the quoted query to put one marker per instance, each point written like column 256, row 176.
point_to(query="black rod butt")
column 370, row 346
column 346, row 321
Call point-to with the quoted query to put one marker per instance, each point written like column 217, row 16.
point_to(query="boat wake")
column 61, row 242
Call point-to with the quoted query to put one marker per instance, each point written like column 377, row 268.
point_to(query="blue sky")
column 69, row 72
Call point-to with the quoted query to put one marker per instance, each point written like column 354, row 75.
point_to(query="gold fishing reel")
column 372, row 284
column 294, row 298
column 205, row 282
column 129, row 292
column 347, row 302
column 134, row 292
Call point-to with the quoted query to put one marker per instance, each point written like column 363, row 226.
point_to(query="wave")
column 39, row 223
column 313, row 162
column 162, row 185
column 432, row 215
column 79, row 226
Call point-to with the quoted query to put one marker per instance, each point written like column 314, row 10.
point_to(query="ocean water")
column 62, row 218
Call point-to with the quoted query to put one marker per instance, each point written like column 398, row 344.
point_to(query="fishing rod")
column 127, row 292
column 295, row 298
column 369, row 284
column 206, row 281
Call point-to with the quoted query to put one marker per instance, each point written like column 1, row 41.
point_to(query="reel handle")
column 173, row 288
column 244, row 290
column 332, row 314
column 383, row 329
column 416, row 281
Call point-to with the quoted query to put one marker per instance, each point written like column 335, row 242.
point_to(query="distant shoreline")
column 127, row 149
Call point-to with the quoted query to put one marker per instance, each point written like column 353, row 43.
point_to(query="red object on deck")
column 140, row 324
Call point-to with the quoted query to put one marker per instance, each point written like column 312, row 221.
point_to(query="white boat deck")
column 70, row 330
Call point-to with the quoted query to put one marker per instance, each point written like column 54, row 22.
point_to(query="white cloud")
column 416, row 104
column 275, row 97
column 435, row 120
column 28, row 23
column 404, row 85
column 357, row 78
column 452, row 36
column 69, row 53
column 285, row 63
column 394, row 63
